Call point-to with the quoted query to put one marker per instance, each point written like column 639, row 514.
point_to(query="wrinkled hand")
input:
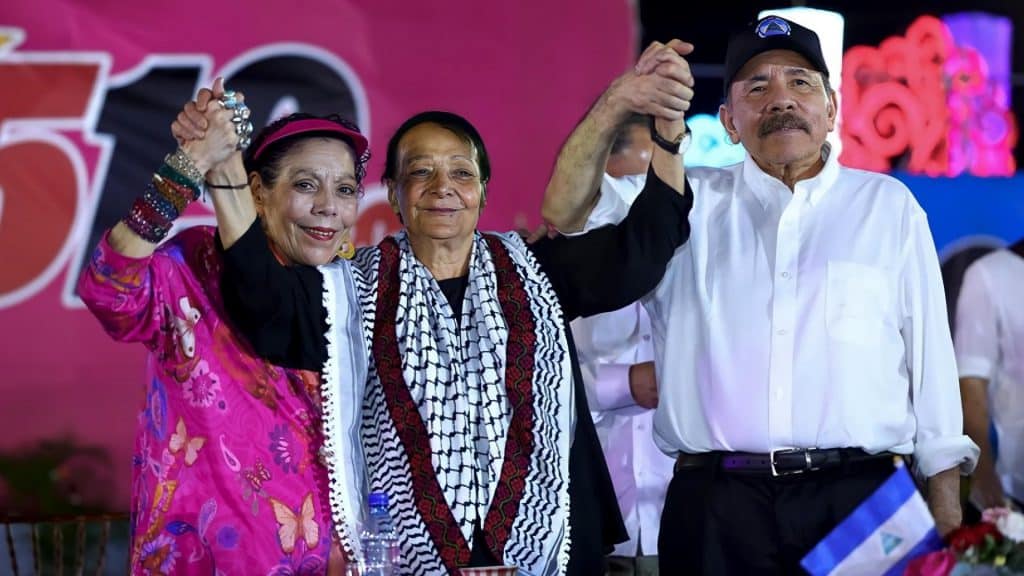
column 643, row 384
column 204, row 129
column 660, row 85
column 191, row 123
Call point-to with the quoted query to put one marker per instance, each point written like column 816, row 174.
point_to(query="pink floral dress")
column 225, row 475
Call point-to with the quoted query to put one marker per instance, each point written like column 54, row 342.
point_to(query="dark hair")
column 449, row 121
column 268, row 165
column 622, row 138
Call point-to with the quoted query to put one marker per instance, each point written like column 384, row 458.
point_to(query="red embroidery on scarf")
column 519, row 360
column 412, row 432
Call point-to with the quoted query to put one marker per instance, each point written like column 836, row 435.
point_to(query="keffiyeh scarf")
column 460, row 423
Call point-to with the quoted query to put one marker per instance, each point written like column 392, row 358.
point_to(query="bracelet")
column 178, row 193
column 182, row 163
column 172, row 193
column 188, row 188
column 141, row 221
column 161, row 204
column 152, row 215
column 227, row 186
column 670, row 146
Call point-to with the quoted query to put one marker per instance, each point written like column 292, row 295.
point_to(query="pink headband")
column 315, row 125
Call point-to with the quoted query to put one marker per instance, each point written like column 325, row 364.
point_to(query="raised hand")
column 205, row 130
column 191, row 124
column 660, row 85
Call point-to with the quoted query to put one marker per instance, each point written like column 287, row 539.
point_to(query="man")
column 990, row 356
column 801, row 336
column 616, row 353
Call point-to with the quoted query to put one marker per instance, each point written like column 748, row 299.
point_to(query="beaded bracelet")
column 182, row 163
column 181, row 196
column 141, row 221
column 153, row 214
column 167, row 172
column 160, row 203
column 171, row 193
column 176, row 183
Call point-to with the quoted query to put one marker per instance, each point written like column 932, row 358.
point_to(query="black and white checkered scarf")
column 440, row 418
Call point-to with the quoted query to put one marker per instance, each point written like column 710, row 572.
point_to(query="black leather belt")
column 781, row 462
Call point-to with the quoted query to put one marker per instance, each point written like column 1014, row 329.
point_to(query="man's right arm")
column 660, row 86
column 575, row 184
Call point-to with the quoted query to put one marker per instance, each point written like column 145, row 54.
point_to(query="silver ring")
column 229, row 100
column 240, row 114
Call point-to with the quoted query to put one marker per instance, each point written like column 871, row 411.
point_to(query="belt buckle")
column 807, row 458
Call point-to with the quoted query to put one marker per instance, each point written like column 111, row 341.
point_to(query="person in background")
column 990, row 356
column 616, row 358
column 226, row 475
column 801, row 335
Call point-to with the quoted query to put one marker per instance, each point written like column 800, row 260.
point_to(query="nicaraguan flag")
column 881, row 536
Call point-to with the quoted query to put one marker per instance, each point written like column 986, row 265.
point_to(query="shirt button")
column 781, row 332
column 785, row 274
column 647, row 337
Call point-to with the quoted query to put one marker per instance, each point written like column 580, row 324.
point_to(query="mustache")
column 784, row 121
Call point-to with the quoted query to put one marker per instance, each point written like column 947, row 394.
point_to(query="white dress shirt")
column 990, row 345
column 608, row 344
column 812, row 318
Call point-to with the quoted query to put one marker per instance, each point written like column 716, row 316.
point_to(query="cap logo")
column 773, row 26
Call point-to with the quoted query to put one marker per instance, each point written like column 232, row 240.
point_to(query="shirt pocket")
column 858, row 298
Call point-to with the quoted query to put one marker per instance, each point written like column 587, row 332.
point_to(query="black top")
column 454, row 290
column 280, row 310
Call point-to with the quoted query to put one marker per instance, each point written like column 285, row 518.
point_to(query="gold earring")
column 347, row 249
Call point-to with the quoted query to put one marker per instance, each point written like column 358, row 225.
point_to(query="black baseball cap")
column 771, row 33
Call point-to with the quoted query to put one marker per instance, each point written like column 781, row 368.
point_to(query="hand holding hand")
column 207, row 129
column 660, row 85
column 191, row 123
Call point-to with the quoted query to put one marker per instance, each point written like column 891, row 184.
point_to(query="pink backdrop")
column 524, row 72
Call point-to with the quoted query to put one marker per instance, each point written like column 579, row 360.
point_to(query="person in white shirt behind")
column 616, row 357
column 990, row 357
column 800, row 336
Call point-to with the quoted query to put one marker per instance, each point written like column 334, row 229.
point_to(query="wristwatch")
column 670, row 146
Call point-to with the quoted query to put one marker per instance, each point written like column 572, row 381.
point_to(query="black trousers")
column 725, row 523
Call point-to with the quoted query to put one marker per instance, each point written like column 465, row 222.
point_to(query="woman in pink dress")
column 226, row 474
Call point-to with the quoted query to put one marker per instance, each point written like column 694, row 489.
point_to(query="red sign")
column 90, row 90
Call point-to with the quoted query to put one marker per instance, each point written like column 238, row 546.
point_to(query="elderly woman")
column 450, row 378
column 226, row 478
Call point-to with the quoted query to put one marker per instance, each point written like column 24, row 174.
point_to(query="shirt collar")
column 764, row 186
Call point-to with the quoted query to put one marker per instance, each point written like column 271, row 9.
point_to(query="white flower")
column 1012, row 526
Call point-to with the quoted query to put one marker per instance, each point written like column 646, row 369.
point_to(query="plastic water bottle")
column 380, row 541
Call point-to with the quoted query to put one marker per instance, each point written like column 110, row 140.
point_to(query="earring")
column 347, row 249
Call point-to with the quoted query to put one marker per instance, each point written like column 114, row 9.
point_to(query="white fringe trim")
column 334, row 451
